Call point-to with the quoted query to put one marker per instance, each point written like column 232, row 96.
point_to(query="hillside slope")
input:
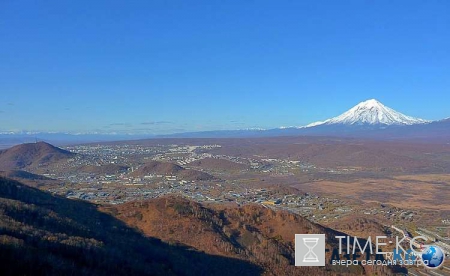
column 262, row 236
column 31, row 155
column 41, row 234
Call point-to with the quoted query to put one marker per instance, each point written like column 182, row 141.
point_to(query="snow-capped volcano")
column 371, row 112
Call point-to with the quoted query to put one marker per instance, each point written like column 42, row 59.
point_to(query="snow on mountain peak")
column 371, row 112
column 370, row 103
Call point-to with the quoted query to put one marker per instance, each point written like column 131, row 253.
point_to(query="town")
column 112, row 179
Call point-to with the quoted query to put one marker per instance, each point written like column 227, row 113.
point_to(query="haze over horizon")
column 167, row 67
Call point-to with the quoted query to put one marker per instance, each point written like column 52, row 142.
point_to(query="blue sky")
column 172, row 66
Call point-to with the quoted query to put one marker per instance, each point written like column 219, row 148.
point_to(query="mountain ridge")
column 45, row 234
column 370, row 119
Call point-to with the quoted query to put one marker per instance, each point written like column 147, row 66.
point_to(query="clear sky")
column 164, row 66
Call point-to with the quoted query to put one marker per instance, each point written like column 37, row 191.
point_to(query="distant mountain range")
column 367, row 119
column 8, row 139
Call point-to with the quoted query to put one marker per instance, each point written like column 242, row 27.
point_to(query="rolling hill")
column 32, row 155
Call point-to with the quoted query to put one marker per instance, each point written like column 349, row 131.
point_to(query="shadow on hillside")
column 41, row 234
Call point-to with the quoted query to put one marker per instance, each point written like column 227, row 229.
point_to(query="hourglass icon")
column 310, row 257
